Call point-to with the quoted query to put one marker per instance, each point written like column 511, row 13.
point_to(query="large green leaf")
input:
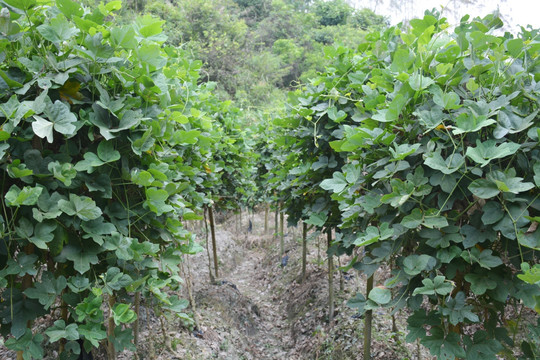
column 436, row 286
column 486, row 151
column 380, row 295
column 29, row 345
column 480, row 283
column 443, row 346
column 25, row 196
column 81, row 206
column 415, row 264
column 122, row 314
column 60, row 118
column 81, row 257
column 57, row 30
column 60, row 331
column 452, row 163
column 336, row 184
column 156, row 201
column 47, row 289
column 457, row 309
column 70, row 8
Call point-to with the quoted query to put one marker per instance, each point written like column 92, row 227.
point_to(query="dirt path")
column 272, row 340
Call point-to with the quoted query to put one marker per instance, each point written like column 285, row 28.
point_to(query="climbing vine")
column 431, row 139
column 105, row 134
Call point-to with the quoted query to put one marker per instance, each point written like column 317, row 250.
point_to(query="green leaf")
column 123, row 339
column 506, row 182
column 70, row 8
column 22, row 4
column 488, row 261
column 492, row 212
column 47, row 290
column 530, row 275
column 155, row 199
column 419, row 82
column 337, row 184
column 24, row 264
column 317, row 219
column 29, row 345
column 484, row 189
column 92, row 333
column 122, row 314
column 480, row 283
column 448, row 101
column 436, row 286
column 57, row 30
column 481, row 347
column 486, row 151
column 106, row 152
column 43, row 128
column 458, row 311
column 381, row 296
column 60, row 331
column 18, row 311
column 124, row 37
column 82, row 206
column 142, row 178
column 511, row 123
column 466, row 123
column 373, row 234
column 452, row 164
column 186, row 137
column 443, row 346
column 120, row 244
column 18, row 170
column 25, row 196
column 473, row 235
column 515, row 47
column 59, row 117
column 415, row 264
column 413, row 220
column 78, row 283
column 400, row 152
column 63, row 172
column 43, row 234
column 357, row 302
column 81, row 257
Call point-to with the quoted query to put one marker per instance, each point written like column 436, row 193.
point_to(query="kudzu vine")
column 427, row 140
column 106, row 148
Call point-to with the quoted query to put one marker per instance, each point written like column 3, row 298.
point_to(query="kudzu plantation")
column 413, row 155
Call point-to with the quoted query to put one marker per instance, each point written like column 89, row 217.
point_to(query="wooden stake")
column 214, row 247
column 111, row 352
column 276, row 222
column 212, row 279
column 281, row 232
column 304, row 250
column 367, row 322
column 266, row 219
column 136, row 323
column 330, row 281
